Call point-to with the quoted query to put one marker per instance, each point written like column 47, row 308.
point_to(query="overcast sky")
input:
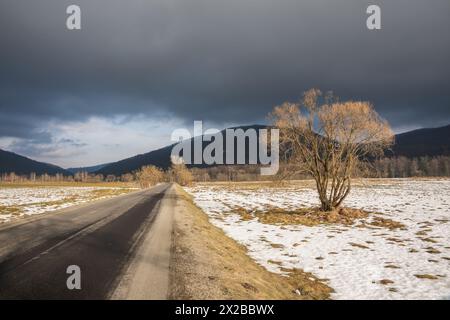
column 140, row 68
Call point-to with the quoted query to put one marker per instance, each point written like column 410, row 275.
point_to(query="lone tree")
column 180, row 174
column 149, row 176
column 330, row 140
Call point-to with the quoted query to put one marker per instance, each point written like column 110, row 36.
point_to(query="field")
column 401, row 250
column 21, row 200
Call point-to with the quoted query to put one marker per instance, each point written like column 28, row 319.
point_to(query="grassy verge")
column 206, row 264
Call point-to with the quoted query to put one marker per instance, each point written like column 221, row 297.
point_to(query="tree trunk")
column 326, row 206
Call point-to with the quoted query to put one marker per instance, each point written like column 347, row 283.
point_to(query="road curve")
column 102, row 238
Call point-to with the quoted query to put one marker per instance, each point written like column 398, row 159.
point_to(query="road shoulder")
column 147, row 275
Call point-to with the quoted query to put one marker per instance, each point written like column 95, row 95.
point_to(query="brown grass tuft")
column 309, row 216
column 387, row 223
column 361, row 246
column 307, row 285
column 426, row 276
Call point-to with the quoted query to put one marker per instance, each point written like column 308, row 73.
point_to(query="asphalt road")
column 101, row 238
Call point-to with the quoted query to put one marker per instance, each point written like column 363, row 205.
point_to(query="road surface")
column 121, row 245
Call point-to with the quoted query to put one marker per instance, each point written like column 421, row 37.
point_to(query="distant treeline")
column 397, row 167
column 402, row 167
column 77, row 177
column 145, row 177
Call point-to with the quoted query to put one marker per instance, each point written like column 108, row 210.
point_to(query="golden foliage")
column 330, row 140
column 180, row 174
column 149, row 176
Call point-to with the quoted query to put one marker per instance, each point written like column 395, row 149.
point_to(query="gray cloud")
column 221, row 61
column 43, row 144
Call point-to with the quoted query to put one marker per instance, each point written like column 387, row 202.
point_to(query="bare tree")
column 329, row 140
column 180, row 174
column 110, row 178
column 149, row 176
column 127, row 177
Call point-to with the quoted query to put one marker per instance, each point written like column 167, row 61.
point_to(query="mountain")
column 160, row 157
column 91, row 169
column 421, row 142
column 12, row 162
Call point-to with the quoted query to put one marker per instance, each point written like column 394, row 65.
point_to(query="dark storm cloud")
column 42, row 143
column 217, row 60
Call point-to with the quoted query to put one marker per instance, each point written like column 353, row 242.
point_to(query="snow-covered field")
column 26, row 201
column 357, row 262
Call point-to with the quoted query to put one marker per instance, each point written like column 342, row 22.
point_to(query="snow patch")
column 354, row 260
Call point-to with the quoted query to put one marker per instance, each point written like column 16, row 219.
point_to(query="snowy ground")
column 385, row 264
column 20, row 202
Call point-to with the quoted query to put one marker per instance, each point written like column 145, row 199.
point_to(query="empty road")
column 119, row 244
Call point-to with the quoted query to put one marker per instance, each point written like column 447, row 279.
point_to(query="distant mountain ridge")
column 12, row 162
column 160, row 157
column 90, row 169
column 423, row 142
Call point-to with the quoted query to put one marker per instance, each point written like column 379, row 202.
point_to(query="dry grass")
column 428, row 240
column 244, row 214
column 387, row 223
column 93, row 195
column 307, row 285
column 432, row 250
column 38, row 184
column 256, row 185
column 100, row 193
column 357, row 245
column 305, row 183
column 18, row 210
column 14, row 210
column 426, row 276
column 206, row 264
column 386, row 282
column 303, row 216
column 52, row 203
column 314, row 216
